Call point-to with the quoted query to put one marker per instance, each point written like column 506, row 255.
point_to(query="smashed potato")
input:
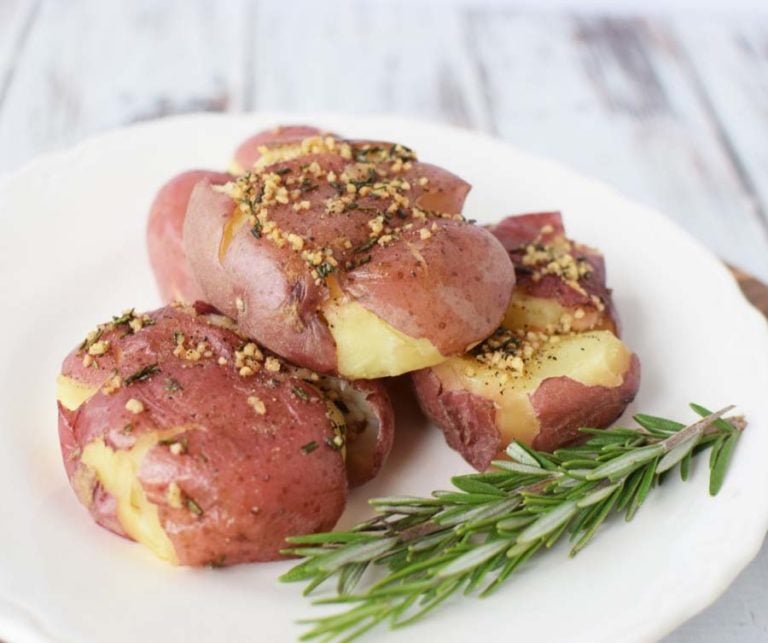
column 556, row 364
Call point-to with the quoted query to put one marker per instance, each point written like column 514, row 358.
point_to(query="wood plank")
column 613, row 98
column 730, row 58
column 89, row 65
column 16, row 18
column 383, row 57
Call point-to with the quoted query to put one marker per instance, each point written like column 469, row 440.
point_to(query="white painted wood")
column 15, row 19
column 731, row 66
column 611, row 98
column 90, row 64
column 393, row 57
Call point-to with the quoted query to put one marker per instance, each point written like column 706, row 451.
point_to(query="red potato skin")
column 517, row 231
column 399, row 285
column 247, row 472
column 561, row 405
column 467, row 421
column 460, row 275
column 278, row 296
column 164, row 235
column 363, row 464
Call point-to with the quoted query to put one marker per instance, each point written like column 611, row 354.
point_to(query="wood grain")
column 387, row 57
column 16, row 19
column 88, row 65
column 613, row 97
column 731, row 66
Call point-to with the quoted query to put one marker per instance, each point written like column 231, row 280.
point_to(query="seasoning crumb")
column 98, row 348
column 257, row 405
column 272, row 364
column 134, row 406
column 173, row 495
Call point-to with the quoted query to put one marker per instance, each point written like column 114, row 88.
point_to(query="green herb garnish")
column 473, row 537
column 142, row 375
column 194, row 507
column 300, row 393
column 309, row 447
column 324, row 269
column 172, row 385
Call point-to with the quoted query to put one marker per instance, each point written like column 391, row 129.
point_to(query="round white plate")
column 72, row 254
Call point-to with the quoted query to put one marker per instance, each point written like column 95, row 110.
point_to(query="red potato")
column 180, row 434
column 348, row 257
column 555, row 364
column 164, row 235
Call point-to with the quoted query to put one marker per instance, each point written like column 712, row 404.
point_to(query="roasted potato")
column 348, row 257
column 164, row 235
column 182, row 435
column 556, row 364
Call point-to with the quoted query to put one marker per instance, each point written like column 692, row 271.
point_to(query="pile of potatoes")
column 244, row 410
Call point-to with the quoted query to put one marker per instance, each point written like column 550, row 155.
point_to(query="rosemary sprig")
column 473, row 537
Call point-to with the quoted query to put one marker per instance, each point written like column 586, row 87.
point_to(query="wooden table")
column 672, row 111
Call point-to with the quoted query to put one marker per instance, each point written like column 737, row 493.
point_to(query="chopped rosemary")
column 142, row 375
column 300, row 393
column 194, row 507
column 172, row 385
column 324, row 269
column 309, row 447
column 124, row 318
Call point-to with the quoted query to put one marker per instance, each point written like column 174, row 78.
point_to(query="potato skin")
column 164, row 235
column 467, row 421
column 561, row 405
column 455, row 280
column 247, row 471
column 440, row 279
column 366, row 455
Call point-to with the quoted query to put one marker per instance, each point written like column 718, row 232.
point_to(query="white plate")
column 72, row 253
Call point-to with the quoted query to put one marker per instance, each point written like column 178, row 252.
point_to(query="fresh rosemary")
column 473, row 537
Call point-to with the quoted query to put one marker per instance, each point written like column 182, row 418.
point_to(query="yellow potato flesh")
column 72, row 393
column 525, row 311
column 117, row 471
column 367, row 347
column 532, row 312
column 236, row 221
column 596, row 358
